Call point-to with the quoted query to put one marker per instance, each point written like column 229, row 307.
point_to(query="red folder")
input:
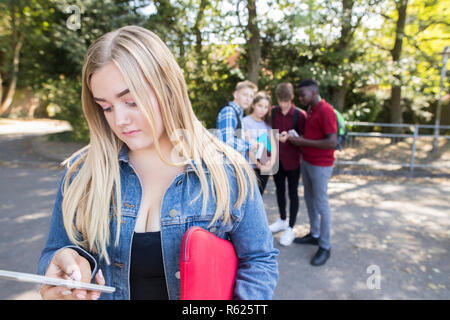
column 208, row 266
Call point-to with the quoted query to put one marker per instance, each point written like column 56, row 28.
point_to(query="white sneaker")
column 279, row 225
column 287, row 237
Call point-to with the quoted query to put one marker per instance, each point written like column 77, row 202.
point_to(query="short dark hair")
column 307, row 83
column 284, row 91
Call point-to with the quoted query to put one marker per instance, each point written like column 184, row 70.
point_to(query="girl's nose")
column 122, row 115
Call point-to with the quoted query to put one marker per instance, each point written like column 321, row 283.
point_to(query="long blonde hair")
column 144, row 60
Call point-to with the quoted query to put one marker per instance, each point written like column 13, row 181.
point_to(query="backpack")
column 341, row 129
column 239, row 124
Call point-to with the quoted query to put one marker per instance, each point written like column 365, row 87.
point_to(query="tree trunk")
column 1, row 88
column 338, row 96
column 254, row 43
column 7, row 99
column 199, row 22
column 16, row 44
column 347, row 29
column 342, row 47
column 396, row 115
column 396, row 111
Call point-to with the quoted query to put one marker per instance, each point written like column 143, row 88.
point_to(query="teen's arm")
column 257, row 272
column 329, row 142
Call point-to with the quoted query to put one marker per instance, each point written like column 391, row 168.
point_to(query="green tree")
column 61, row 87
column 413, row 34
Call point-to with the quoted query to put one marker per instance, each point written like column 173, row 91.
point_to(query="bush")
column 62, row 99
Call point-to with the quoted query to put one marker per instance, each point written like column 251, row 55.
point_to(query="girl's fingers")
column 94, row 295
column 56, row 293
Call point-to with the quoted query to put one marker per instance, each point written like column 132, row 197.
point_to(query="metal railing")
column 408, row 147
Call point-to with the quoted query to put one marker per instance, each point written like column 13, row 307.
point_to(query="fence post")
column 413, row 149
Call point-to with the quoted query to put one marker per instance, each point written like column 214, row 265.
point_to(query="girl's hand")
column 247, row 135
column 251, row 153
column 68, row 264
column 266, row 168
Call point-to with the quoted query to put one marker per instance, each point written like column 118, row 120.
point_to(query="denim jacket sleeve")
column 257, row 273
column 57, row 237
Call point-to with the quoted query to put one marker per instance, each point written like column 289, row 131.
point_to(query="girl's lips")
column 131, row 133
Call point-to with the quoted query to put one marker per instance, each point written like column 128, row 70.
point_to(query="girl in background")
column 257, row 127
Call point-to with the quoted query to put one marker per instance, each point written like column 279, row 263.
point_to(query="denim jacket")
column 257, row 272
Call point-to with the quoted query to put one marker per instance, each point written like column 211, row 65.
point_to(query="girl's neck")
column 150, row 155
column 255, row 117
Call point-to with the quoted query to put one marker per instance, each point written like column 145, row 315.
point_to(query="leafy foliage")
column 345, row 45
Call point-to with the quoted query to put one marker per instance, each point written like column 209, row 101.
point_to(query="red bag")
column 208, row 266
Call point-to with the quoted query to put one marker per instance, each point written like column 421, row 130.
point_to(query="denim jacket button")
column 177, row 275
column 173, row 213
column 213, row 229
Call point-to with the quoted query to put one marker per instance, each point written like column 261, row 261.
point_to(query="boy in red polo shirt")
column 318, row 144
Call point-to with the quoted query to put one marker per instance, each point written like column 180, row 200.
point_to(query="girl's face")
column 124, row 118
column 261, row 108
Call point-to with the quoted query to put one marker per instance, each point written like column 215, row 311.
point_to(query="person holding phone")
column 285, row 117
column 150, row 171
column 318, row 145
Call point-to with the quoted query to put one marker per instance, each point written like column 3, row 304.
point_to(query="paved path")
column 398, row 228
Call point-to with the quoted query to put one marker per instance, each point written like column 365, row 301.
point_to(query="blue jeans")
column 315, row 183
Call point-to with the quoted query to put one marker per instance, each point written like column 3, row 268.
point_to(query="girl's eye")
column 104, row 109
column 131, row 104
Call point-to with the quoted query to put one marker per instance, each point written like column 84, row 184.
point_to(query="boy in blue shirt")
column 229, row 119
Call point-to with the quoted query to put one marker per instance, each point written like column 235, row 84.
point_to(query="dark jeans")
column 293, row 178
column 262, row 180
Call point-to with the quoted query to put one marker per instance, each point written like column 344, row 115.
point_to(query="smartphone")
column 260, row 150
column 293, row 133
column 34, row 278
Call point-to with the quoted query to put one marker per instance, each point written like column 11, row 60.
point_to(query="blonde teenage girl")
column 150, row 171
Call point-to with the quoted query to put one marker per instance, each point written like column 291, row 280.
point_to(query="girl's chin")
column 133, row 146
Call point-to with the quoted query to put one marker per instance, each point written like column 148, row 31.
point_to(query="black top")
column 147, row 279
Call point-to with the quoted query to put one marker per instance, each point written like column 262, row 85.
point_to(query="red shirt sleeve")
column 328, row 120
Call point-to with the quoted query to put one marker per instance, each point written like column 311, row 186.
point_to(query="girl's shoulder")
column 247, row 119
